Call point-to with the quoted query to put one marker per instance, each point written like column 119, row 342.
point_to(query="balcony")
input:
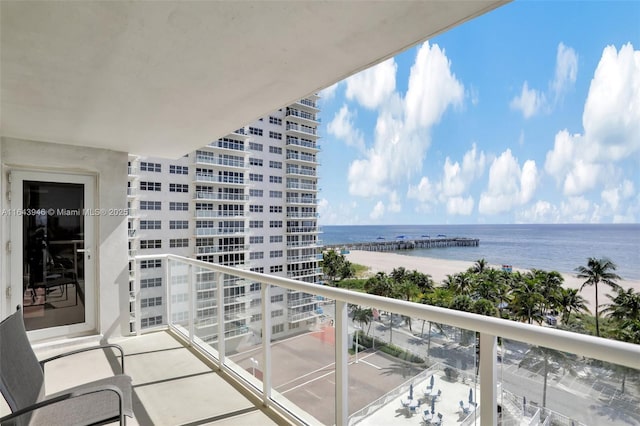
column 219, row 214
column 220, row 196
column 301, row 130
column 304, row 143
column 302, row 117
column 301, row 171
column 224, row 180
column 221, row 161
column 184, row 374
column 221, row 249
column 200, row 232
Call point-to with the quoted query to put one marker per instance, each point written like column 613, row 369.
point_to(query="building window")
column 150, row 244
column 258, row 269
column 178, row 206
column 253, row 287
column 275, row 268
column 275, row 135
column 294, row 325
column 255, row 177
column 256, row 224
column 277, row 313
column 178, row 224
column 275, row 209
column 256, row 255
column 256, row 239
column 277, row 298
column 150, row 167
column 279, row 328
column 148, row 264
column 255, row 131
column 150, row 186
column 256, row 192
column 275, row 149
column 150, row 205
column 275, row 224
column 178, row 242
column 254, row 208
column 275, row 164
column 255, row 146
column 275, row 194
column 275, row 253
column 275, row 179
column 256, row 317
column 149, row 322
column 275, row 239
column 178, row 187
column 150, row 224
column 151, row 301
column 178, row 170
column 255, row 162
column 275, row 120
column 151, row 282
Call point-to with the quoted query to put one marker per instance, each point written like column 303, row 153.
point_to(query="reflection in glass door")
column 53, row 241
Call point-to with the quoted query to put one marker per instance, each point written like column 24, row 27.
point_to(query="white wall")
column 110, row 169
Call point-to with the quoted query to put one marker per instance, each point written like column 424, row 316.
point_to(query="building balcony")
column 221, row 161
column 302, row 117
column 301, row 130
column 316, row 243
column 301, row 171
column 302, row 214
column 307, row 104
column 302, row 186
column 200, row 250
column 219, row 214
column 302, row 258
column 303, row 230
column 312, row 272
column 303, row 143
column 183, row 374
column 220, row 196
column 302, row 159
column 223, row 180
column 301, row 200
column 226, row 231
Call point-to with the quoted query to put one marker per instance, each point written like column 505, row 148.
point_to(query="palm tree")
column 571, row 301
column 527, row 301
column 539, row 357
column 625, row 305
column 362, row 315
column 479, row 266
column 598, row 271
column 407, row 290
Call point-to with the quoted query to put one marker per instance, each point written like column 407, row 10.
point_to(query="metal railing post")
column 221, row 335
column 488, row 372
column 167, row 291
column 266, row 343
column 342, row 373
column 192, row 302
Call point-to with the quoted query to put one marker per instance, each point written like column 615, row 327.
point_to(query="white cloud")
column 342, row 127
column 403, row 124
column 423, row 192
column 509, row 185
column 378, row 211
column 432, row 88
column 611, row 122
column 576, row 209
column 615, row 195
column 566, row 70
column 394, row 203
column 371, row 87
column 460, row 205
column 539, row 212
column 530, row 101
column 456, row 179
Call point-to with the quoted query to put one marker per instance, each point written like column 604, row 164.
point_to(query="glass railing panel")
column 303, row 355
column 410, row 370
column 541, row 384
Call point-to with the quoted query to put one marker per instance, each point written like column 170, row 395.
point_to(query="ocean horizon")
column 561, row 247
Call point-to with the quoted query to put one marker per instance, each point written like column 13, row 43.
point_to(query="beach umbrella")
column 411, row 391
column 433, row 405
column 470, row 396
column 432, row 380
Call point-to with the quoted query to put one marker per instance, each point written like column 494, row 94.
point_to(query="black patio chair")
column 22, row 385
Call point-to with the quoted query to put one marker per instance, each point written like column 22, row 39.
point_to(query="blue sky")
column 528, row 114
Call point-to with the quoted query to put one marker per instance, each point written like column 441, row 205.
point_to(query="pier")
column 408, row 244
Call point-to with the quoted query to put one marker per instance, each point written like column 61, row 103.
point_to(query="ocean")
column 559, row 248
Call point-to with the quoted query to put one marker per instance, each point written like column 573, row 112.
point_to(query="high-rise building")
column 248, row 200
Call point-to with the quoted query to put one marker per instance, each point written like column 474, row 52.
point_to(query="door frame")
column 91, row 285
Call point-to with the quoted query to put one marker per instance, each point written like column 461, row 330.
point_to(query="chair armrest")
column 69, row 395
column 77, row 351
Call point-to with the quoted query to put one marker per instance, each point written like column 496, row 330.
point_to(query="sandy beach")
column 440, row 268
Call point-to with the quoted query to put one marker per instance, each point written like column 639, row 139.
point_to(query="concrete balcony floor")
column 172, row 386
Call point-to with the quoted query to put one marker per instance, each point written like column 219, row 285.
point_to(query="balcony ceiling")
column 163, row 78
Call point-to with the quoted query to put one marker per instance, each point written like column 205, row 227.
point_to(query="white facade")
column 248, row 199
